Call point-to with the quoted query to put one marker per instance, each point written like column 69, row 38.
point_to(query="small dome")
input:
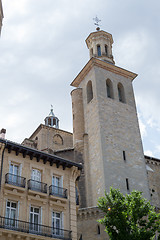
column 51, row 120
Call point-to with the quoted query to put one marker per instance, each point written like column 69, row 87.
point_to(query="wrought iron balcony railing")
column 33, row 228
column 57, row 191
column 37, row 186
column 15, row 180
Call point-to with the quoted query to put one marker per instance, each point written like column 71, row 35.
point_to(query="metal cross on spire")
column 97, row 20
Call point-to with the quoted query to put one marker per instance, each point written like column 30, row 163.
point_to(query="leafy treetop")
column 128, row 217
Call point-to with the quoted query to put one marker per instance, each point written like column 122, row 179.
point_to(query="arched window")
column 77, row 197
column 121, row 93
column 109, row 88
column 99, row 50
column 89, row 91
column 57, row 139
column 98, row 230
column 106, row 50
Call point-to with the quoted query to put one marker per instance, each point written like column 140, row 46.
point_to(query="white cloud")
column 142, row 128
column 148, row 153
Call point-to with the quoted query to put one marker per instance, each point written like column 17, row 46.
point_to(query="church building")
column 106, row 138
column 50, row 184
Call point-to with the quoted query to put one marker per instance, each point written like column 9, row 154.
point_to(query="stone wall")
column 88, row 227
column 153, row 172
column 50, row 139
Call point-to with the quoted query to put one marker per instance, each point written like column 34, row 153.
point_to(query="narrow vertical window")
column 98, row 230
column 127, row 184
column 109, row 88
column 106, row 50
column 89, row 91
column 81, row 237
column 99, row 50
column 77, row 197
column 124, row 156
column 121, row 93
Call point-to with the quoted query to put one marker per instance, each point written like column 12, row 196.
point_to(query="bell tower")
column 100, row 45
column 105, row 124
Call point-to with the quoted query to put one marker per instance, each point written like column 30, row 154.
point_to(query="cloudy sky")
column 42, row 49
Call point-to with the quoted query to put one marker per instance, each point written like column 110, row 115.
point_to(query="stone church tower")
column 105, row 125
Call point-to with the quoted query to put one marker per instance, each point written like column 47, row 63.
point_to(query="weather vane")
column 97, row 20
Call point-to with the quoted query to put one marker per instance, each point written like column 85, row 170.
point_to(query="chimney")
column 2, row 133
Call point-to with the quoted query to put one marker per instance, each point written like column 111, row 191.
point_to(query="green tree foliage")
column 129, row 217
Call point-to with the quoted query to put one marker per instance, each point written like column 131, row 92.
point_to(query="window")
column 34, row 219
column 57, row 139
column 106, row 50
column 81, row 237
column 36, row 177
column 98, row 230
column 99, row 50
column 57, row 184
column 121, row 93
column 14, row 172
column 124, row 156
column 77, row 197
column 109, row 88
column 127, row 184
column 11, row 214
column 57, row 223
column 89, row 91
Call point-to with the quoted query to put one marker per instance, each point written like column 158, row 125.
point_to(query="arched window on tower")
column 121, row 94
column 109, row 88
column 99, row 50
column 106, row 50
column 89, row 92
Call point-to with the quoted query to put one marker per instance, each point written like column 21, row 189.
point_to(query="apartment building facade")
column 37, row 194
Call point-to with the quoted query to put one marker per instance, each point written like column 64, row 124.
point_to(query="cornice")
column 152, row 160
column 90, row 212
column 39, row 155
column 102, row 64
column 100, row 33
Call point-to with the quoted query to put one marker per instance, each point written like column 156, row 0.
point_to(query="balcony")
column 15, row 180
column 33, row 228
column 57, row 191
column 37, row 186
